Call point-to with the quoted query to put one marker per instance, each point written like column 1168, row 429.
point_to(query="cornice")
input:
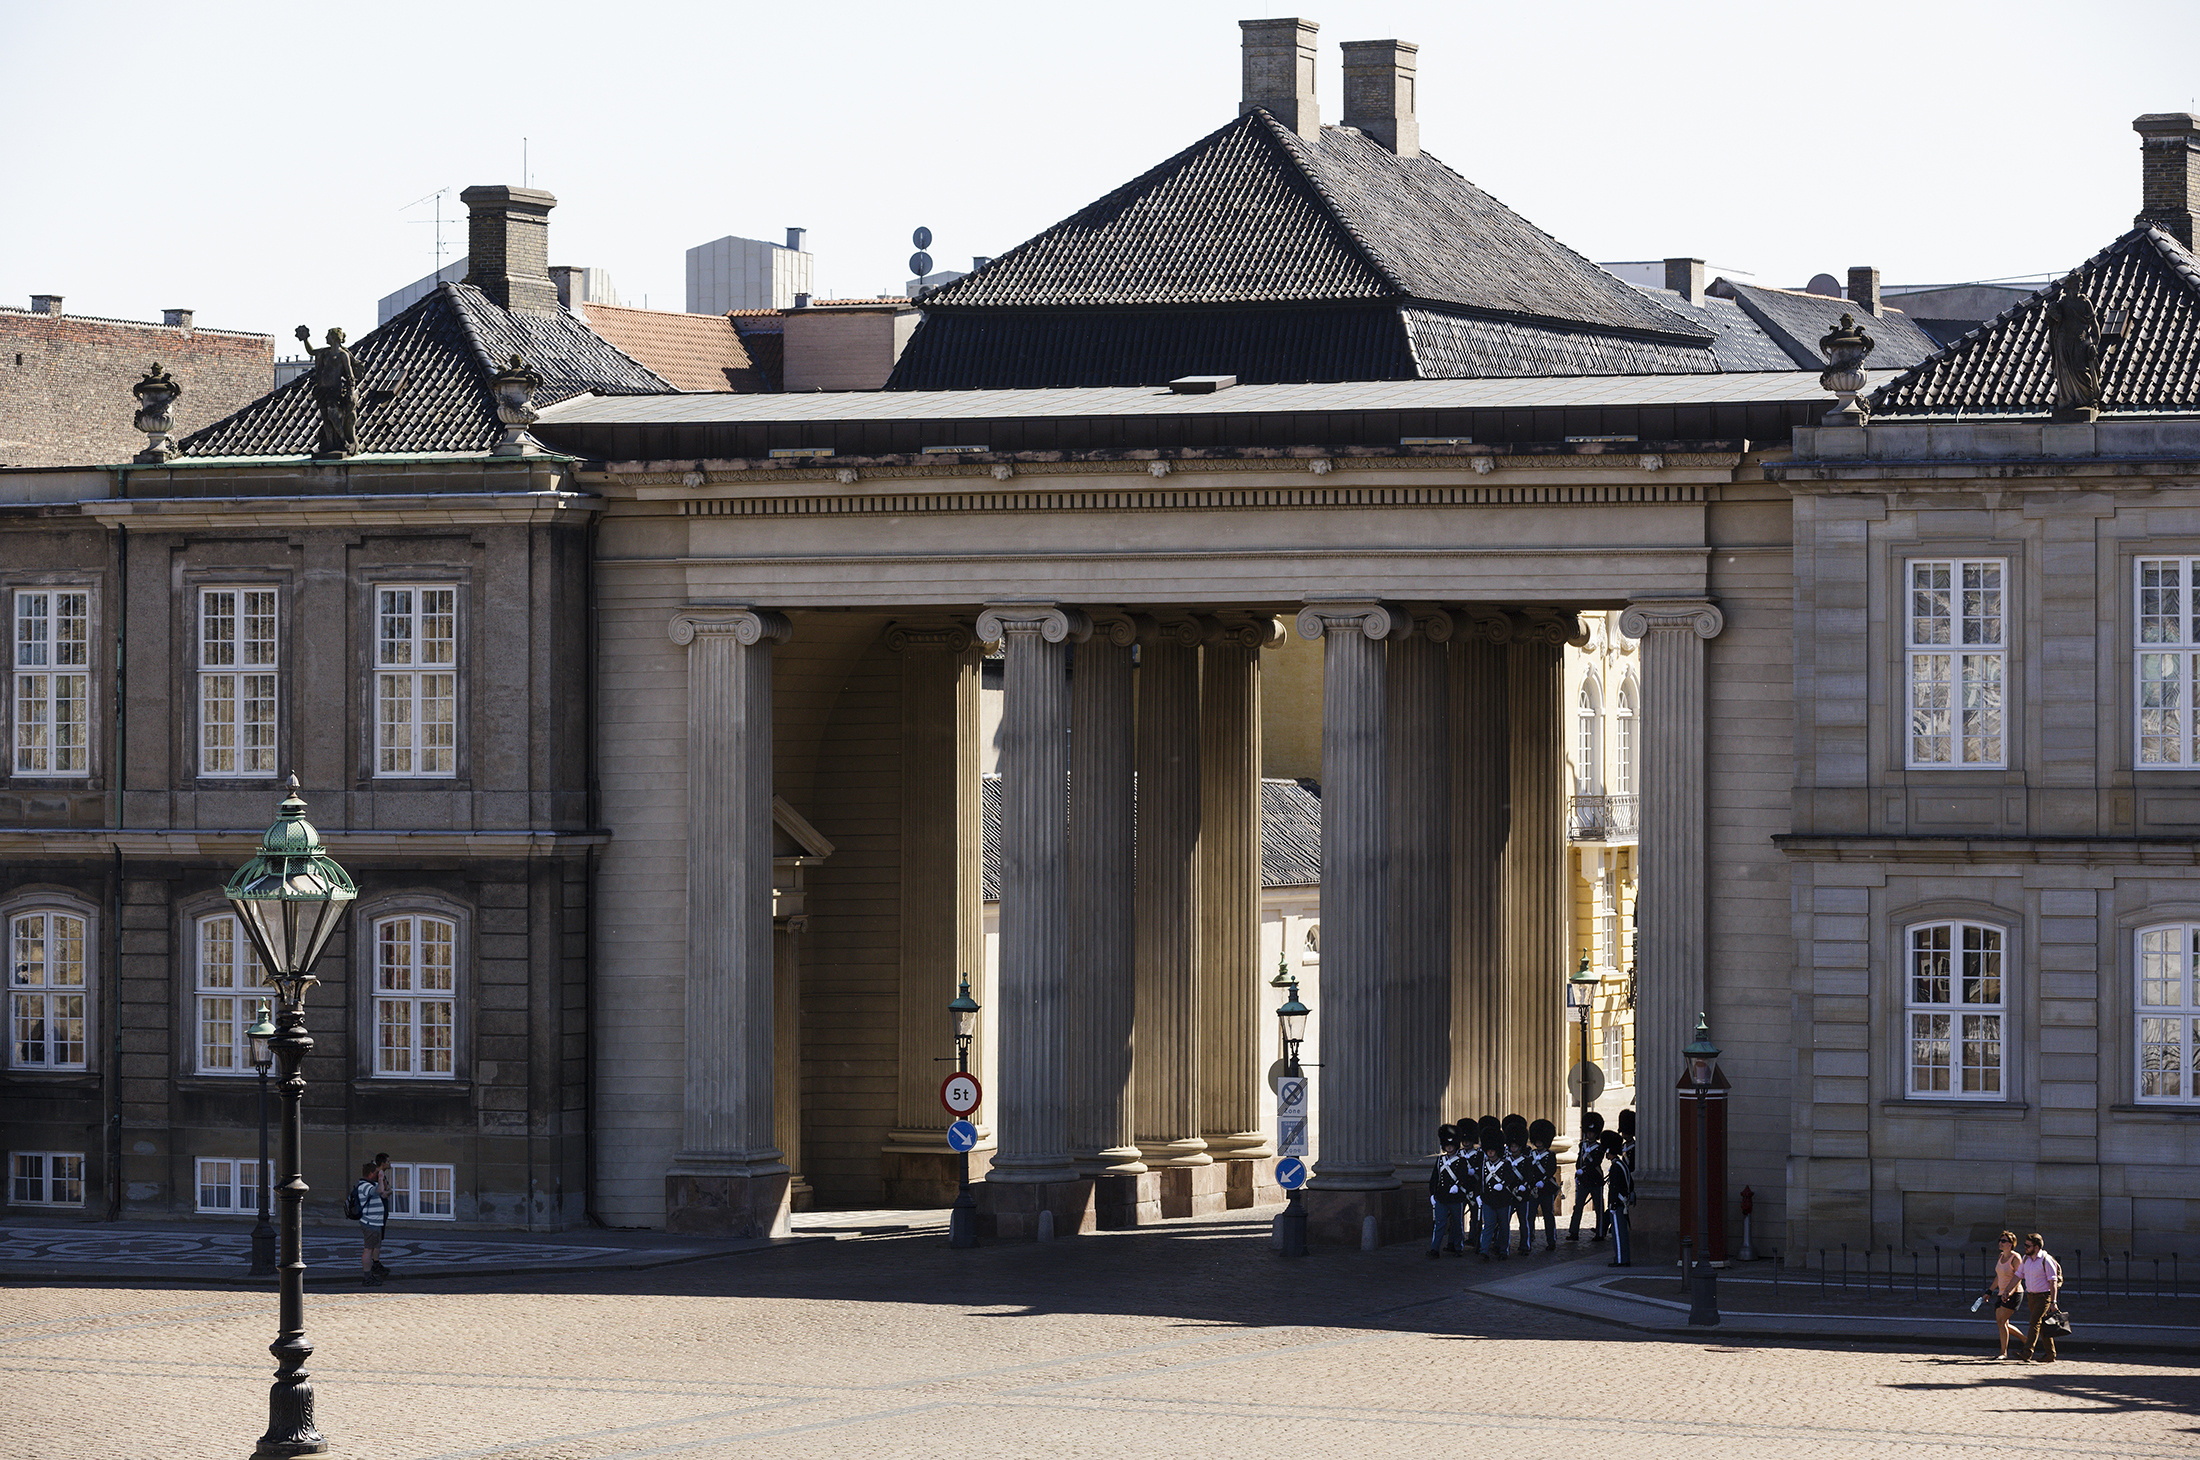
column 30, row 842
column 410, row 509
column 1991, row 850
column 1207, row 499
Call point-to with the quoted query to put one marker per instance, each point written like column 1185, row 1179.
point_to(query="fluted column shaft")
column 1229, row 905
column 942, row 907
column 1532, row 1076
column 726, row 1129
column 1419, row 714
column 1031, row 1106
column 787, row 1048
column 1352, row 1004
column 1670, row 947
column 1166, row 907
column 1102, row 893
column 1480, row 797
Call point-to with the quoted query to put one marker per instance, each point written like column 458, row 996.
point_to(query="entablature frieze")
column 1866, row 848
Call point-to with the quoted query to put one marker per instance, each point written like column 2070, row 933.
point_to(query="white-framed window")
column 2166, row 1014
column 2166, row 637
column 416, row 680
column 1589, row 738
column 53, row 682
column 415, row 997
column 226, row 995
column 1956, row 651
column 1623, row 735
column 1954, row 995
column 421, row 1191
column 46, row 1178
column 227, row 1185
column 1607, row 922
column 46, row 1009
column 237, row 681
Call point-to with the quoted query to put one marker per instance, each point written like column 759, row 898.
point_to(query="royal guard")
column 1619, row 1192
column 1588, row 1178
column 1545, row 1161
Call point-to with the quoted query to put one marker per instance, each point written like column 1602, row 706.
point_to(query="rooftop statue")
column 336, row 392
column 1844, row 348
column 156, row 396
column 2074, row 349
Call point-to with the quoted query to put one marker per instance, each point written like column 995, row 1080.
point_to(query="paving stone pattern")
column 1192, row 1339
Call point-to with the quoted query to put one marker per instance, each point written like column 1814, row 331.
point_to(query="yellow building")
column 1603, row 749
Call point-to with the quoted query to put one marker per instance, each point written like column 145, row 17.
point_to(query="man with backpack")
column 1447, row 1197
column 371, row 1211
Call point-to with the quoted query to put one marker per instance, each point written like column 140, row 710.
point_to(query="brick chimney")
column 1378, row 93
column 2169, row 172
column 45, row 304
column 1279, row 73
column 508, row 247
column 176, row 318
column 1685, row 278
column 1864, row 289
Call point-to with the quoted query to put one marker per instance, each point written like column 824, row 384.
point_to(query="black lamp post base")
column 1291, row 1226
column 1703, row 1297
column 263, row 1251
column 290, row 1428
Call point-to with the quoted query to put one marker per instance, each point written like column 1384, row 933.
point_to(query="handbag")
column 2055, row 1324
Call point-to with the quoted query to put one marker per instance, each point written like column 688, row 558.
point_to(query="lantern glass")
column 260, row 1033
column 290, row 898
column 965, row 1011
column 1291, row 1017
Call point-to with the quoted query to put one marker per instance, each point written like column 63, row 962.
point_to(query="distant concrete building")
column 747, row 273
column 65, row 379
column 389, row 306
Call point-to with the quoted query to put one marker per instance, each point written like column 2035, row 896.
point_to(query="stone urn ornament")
column 1845, row 348
column 514, row 388
column 156, row 396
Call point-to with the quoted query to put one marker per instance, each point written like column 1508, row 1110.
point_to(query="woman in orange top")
column 2005, row 1292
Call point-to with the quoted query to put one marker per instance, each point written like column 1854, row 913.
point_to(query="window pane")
column 72, row 629
column 433, row 1184
column 1929, row 1056
column 256, row 734
column 393, row 1036
column 65, row 963
column 217, row 628
column 393, row 722
column 67, row 1029
column 217, row 1034
column 2161, row 601
column 439, row 626
column 33, row 630
column 395, row 639
column 2162, row 967
column 2161, row 1059
column 218, row 723
column 72, row 695
column 66, row 1185
column 2161, row 709
column 256, row 632
column 1982, row 709
column 27, row 951
column 29, row 1177
column 1982, row 603
column 1932, row 708
column 29, row 1020
column 1930, row 616
column 435, row 1036
column 1930, row 976
column 33, row 723
column 1982, row 1054
column 1981, row 965
column 436, row 941
column 438, row 724
column 394, row 959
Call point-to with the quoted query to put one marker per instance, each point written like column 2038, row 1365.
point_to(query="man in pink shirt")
column 2041, row 1276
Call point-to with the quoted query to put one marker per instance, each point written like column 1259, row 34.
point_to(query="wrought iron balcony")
column 1600, row 818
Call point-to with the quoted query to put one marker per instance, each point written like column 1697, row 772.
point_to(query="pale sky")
column 254, row 162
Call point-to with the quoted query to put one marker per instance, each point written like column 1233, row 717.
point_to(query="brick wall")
column 65, row 383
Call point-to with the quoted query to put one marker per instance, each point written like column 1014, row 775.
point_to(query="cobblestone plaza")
column 1188, row 1340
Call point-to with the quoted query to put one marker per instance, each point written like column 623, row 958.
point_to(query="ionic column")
column 1165, row 1073
column 942, row 911
column 1031, row 1108
column 1480, row 794
column 787, row 1045
column 728, row 1175
column 1102, row 891
column 1229, row 880
column 1531, row 1064
column 1354, row 1141
column 1670, row 946
column 1419, row 713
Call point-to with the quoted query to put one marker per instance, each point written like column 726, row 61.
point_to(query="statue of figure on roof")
column 336, row 392
column 2074, row 349
column 156, row 397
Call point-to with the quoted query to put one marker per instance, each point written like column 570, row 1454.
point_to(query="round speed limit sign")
column 961, row 1094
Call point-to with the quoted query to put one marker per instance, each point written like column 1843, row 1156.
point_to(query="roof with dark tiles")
column 1213, row 262
column 1796, row 322
column 2003, row 368
column 1741, row 343
column 424, row 381
column 1290, row 835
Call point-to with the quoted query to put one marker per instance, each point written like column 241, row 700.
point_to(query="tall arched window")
column 46, row 1024
column 1955, row 1008
column 2166, row 1014
column 228, row 970
column 415, row 997
column 1589, row 738
column 1623, row 734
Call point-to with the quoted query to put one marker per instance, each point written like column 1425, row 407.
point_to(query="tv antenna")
column 436, row 198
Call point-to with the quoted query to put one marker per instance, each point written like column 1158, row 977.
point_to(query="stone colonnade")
column 1129, row 998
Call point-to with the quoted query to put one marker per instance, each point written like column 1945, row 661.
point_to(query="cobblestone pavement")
column 1192, row 1339
column 227, row 1250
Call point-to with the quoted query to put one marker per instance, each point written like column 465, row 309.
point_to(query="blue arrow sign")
column 962, row 1136
column 1290, row 1173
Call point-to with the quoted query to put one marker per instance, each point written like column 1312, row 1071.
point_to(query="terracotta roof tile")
column 692, row 351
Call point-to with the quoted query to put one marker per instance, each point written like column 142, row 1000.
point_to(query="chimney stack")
column 508, row 247
column 1864, row 289
column 1279, row 73
column 176, row 318
column 1685, row 278
column 794, row 238
column 1378, row 93
column 2169, row 172
column 45, row 304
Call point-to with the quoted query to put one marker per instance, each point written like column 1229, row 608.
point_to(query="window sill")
column 2150, row 1114
column 1991, row 1109
column 54, row 1079
column 197, row 1080
column 388, row 1085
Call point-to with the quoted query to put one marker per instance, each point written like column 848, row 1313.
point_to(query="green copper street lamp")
column 290, row 898
column 1581, row 992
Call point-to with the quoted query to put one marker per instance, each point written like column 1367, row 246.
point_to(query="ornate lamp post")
column 962, row 1218
column 1703, row 1286
column 290, row 899
column 1581, row 992
column 1291, row 1026
column 263, row 1234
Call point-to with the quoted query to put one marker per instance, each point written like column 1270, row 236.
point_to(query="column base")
column 1253, row 1184
column 1335, row 1218
column 1009, row 1210
column 1244, row 1146
column 924, row 1179
column 1126, row 1199
column 727, row 1206
column 1195, row 1191
column 1657, row 1206
column 801, row 1196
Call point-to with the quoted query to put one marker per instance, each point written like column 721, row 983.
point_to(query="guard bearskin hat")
column 1447, row 1135
column 1592, row 1124
column 1541, row 1132
column 1627, row 1121
column 1516, row 1128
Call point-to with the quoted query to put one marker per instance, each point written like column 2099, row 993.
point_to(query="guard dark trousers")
column 1623, row 1250
column 1497, row 1226
column 1446, row 1218
column 1547, row 1204
column 1526, row 1212
column 1586, row 1192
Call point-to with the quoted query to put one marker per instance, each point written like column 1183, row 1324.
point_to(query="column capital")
column 1113, row 626
column 1323, row 616
column 1551, row 626
column 1490, row 625
column 1050, row 621
column 1700, row 615
column 746, row 625
column 1430, row 622
column 1240, row 631
column 950, row 638
column 1185, row 631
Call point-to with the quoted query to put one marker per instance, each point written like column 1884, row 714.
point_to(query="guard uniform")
column 1588, row 1178
column 1619, row 1188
